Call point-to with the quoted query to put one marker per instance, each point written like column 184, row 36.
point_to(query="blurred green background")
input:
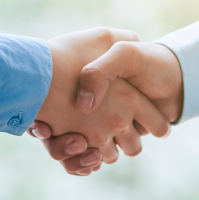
column 165, row 170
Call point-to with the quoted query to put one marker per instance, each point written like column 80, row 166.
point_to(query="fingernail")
column 84, row 100
column 85, row 172
column 168, row 132
column 74, row 148
column 88, row 159
column 37, row 134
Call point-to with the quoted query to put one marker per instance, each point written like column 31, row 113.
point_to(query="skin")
column 152, row 68
column 141, row 64
column 111, row 122
column 70, row 145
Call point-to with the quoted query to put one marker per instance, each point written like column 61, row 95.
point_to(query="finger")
column 129, row 141
column 40, row 130
column 141, row 130
column 109, row 152
column 139, row 64
column 124, row 35
column 85, row 172
column 109, row 36
column 65, row 146
column 148, row 116
column 97, row 167
column 95, row 77
column 89, row 159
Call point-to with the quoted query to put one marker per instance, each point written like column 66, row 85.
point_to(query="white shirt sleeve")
column 185, row 45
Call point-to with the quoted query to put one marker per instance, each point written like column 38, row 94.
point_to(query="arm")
column 35, row 54
column 25, row 77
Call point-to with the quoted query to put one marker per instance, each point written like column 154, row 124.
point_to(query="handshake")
column 107, row 89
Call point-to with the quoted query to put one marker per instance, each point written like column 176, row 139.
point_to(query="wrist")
column 158, row 75
column 175, row 99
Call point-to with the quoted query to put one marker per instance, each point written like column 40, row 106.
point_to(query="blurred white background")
column 165, row 170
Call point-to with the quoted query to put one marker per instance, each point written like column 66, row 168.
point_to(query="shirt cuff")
column 25, row 77
column 185, row 45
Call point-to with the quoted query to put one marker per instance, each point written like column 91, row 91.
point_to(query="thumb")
column 96, row 76
column 40, row 130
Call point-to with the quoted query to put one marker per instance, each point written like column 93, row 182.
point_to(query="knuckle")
column 73, row 137
column 90, row 73
column 126, row 134
column 117, row 123
column 122, row 46
column 124, row 127
column 125, row 48
column 106, row 34
column 101, row 140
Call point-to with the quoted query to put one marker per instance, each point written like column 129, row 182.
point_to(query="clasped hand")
column 108, row 110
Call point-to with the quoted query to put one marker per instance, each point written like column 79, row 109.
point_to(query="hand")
column 113, row 120
column 152, row 68
column 41, row 130
column 65, row 148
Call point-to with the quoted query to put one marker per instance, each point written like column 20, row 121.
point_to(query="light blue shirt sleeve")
column 25, row 77
column 185, row 45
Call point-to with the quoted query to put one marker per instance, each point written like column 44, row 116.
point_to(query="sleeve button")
column 15, row 120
